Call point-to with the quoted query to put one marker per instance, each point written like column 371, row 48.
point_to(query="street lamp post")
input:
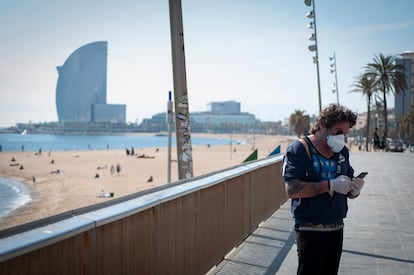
column 334, row 70
column 314, row 47
column 169, row 125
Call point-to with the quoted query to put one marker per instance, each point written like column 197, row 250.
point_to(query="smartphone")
column 362, row 175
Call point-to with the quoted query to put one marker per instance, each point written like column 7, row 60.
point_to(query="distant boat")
column 24, row 132
column 161, row 134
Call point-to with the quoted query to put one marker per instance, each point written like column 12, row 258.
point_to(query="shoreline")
column 75, row 186
column 14, row 195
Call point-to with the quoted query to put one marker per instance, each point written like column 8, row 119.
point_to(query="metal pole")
column 169, row 125
column 336, row 80
column 317, row 58
column 182, row 115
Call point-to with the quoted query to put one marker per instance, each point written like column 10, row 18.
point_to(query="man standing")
column 376, row 140
column 319, row 180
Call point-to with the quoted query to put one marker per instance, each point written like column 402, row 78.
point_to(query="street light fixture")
column 334, row 70
column 314, row 47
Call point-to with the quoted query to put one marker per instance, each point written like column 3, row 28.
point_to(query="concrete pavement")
column 378, row 234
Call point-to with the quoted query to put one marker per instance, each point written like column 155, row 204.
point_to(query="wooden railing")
column 184, row 228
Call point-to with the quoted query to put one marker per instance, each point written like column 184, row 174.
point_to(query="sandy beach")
column 67, row 180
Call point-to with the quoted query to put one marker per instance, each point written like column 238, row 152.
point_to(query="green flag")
column 252, row 156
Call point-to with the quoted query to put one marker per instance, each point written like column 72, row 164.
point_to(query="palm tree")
column 388, row 77
column 365, row 85
column 298, row 120
column 407, row 123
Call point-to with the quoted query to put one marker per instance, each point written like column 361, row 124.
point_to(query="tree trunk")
column 368, row 123
column 385, row 120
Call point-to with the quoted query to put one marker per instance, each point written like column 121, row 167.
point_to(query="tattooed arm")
column 297, row 164
column 303, row 189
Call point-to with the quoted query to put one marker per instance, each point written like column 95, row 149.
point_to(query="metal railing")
column 185, row 228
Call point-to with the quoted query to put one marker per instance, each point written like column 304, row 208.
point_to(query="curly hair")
column 332, row 115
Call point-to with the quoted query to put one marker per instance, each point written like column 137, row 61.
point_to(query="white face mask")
column 336, row 142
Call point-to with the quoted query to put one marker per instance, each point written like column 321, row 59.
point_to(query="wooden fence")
column 184, row 228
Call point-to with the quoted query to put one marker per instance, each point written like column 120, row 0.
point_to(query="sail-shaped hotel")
column 81, row 87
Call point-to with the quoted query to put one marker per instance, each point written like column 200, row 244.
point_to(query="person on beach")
column 319, row 180
column 118, row 168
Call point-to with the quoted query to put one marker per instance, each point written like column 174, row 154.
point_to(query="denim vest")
column 320, row 209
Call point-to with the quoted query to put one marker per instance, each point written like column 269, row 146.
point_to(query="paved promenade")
column 378, row 234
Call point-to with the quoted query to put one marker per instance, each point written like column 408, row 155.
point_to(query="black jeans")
column 319, row 253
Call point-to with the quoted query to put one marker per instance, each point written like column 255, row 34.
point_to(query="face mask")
column 336, row 142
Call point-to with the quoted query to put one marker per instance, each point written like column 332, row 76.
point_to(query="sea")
column 14, row 194
column 51, row 142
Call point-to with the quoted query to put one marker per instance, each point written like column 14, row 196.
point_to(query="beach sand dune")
column 67, row 180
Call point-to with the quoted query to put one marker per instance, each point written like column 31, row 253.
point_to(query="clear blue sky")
column 251, row 51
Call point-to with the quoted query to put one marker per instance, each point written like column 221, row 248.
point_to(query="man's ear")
column 322, row 124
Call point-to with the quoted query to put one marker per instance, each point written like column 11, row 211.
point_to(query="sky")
column 251, row 51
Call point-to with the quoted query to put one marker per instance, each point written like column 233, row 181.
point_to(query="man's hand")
column 341, row 184
column 356, row 186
